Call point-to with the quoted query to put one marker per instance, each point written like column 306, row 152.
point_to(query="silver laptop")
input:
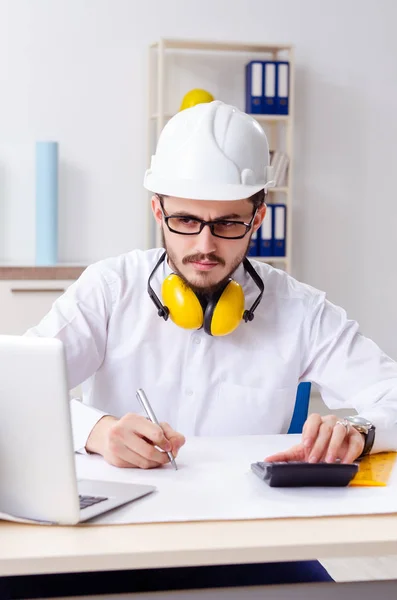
column 37, row 467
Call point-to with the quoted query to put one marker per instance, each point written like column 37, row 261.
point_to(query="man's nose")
column 206, row 242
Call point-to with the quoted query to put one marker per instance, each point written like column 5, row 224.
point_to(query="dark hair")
column 257, row 199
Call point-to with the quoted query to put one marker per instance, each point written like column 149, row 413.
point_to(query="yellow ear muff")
column 183, row 304
column 225, row 314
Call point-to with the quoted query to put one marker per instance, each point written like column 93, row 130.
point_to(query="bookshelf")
column 278, row 128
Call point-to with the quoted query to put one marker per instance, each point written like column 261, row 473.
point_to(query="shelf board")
column 275, row 190
column 216, row 46
column 259, row 118
column 270, row 118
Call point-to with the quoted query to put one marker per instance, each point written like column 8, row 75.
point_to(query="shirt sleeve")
column 350, row 370
column 84, row 419
column 79, row 318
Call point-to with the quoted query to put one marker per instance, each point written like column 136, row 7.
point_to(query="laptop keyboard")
column 86, row 501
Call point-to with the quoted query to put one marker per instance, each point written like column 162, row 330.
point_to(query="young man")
column 208, row 178
column 205, row 369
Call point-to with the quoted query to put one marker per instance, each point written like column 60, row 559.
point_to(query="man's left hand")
column 324, row 439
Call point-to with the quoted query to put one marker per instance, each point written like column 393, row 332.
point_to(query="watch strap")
column 369, row 439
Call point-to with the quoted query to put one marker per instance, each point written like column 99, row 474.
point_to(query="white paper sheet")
column 7, row 517
column 214, row 481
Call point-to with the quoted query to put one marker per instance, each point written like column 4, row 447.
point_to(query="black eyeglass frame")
column 211, row 224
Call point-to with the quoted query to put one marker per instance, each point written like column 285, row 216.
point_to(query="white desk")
column 33, row 549
column 29, row 549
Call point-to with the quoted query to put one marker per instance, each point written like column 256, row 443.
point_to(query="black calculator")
column 300, row 474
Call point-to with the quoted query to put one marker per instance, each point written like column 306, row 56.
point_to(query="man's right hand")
column 131, row 440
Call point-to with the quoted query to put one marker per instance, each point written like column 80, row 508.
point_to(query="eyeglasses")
column 186, row 225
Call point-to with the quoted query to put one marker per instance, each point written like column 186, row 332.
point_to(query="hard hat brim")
column 194, row 190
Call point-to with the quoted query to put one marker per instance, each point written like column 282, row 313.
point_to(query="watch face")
column 360, row 421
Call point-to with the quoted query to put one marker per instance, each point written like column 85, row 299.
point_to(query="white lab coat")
column 242, row 383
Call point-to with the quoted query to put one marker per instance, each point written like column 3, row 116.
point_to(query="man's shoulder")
column 127, row 265
column 117, row 274
column 282, row 285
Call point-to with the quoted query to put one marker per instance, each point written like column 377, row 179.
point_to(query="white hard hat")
column 211, row 151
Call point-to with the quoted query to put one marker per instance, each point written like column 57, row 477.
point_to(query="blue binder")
column 260, row 88
column 254, row 87
column 279, row 229
column 253, row 249
column 266, row 234
column 269, row 87
column 282, row 88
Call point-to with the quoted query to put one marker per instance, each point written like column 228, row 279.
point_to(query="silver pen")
column 142, row 398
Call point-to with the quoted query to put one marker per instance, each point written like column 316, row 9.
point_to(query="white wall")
column 75, row 71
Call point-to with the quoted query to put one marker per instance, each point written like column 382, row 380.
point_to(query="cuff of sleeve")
column 84, row 419
column 385, row 432
column 385, row 440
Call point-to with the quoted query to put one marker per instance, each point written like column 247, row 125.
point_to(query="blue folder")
column 266, row 234
column 282, row 88
column 260, row 90
column 279, row 229
column 253, row 247
column 254, row 87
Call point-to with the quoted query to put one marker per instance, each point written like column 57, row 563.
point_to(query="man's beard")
column 204, row 291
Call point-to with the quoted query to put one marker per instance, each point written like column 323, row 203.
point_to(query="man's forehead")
column 198, row 207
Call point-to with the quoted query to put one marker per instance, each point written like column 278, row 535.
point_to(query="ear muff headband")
column 223, row 313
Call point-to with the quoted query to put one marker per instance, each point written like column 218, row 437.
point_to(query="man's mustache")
column 203, row 258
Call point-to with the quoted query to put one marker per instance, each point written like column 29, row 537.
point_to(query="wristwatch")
column 366, row 428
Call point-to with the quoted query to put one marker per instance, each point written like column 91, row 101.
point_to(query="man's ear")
column 260, row 215
column 158, row 215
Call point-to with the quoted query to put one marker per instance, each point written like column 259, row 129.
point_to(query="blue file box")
column 279, row 229
column 253, row 248
column 266, row 233
column 254, row 87
column 260, row 91
column 282, row 88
